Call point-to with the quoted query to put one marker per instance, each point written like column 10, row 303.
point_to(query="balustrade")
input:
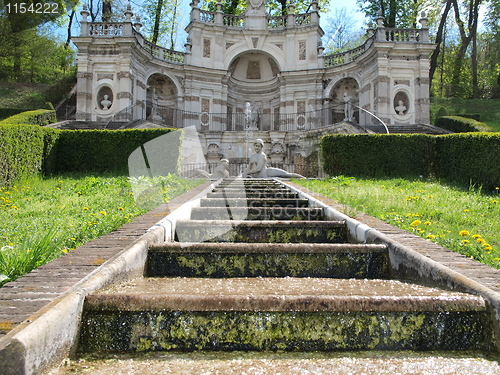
column 207, row 17
column 105, row 29
column 233, row 21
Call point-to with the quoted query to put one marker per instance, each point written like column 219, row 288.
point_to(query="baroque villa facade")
column 253, row 76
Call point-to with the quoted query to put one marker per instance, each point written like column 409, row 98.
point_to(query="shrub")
column 460, row 158
column 37, row 117
column 7, row 112
column 23, row 149
column 98, row 150
column 459, row 124
column 393, row 155
column 470, row 158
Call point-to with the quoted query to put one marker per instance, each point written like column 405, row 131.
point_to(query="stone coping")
column 310, row 294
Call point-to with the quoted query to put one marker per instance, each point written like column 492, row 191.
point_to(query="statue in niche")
column 221, row 171
column 347, row 107
column 257, row 165
column 401, row 108
column 105, row 102
column 252, row 116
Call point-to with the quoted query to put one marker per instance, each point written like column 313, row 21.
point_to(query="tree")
column 161, row 21
column 468, row 32
column 402, row 14
column 15, row 22
column 341, row 32
column 273, row 7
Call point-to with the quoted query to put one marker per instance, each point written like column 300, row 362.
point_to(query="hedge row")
column 26, row 150
column 100, row 151
column 461, row 158
column 38, row 117
column 23, row 150
column 461, row 124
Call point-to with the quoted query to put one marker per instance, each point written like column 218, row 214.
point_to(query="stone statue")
column 106, row 103
column 401, row 108
column 221, row 171
column 347, row 107
column 252, row 116
column 257, row 165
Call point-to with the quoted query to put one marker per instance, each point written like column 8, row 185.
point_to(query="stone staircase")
column 257, row 268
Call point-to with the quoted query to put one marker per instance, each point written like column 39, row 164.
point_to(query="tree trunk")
column 156, row 28
column 68, row 37
column 439, row 40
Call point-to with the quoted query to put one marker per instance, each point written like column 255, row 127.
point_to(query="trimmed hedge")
column 460, row 124
column 461, row 158
column 23, row 149
column 377, row 155
column 8, row 112
column 100, row 151
column 470, row 158
column 38, row 117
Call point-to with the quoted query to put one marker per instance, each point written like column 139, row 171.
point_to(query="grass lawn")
column 465, row 221
column 43, row 218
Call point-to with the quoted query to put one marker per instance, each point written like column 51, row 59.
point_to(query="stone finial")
column 137, row 24
column 194, row 3
column 380, row 19
column 371, row 29
column 85, row 13
column 423, row 20
column 128, row 13
column 219, row 6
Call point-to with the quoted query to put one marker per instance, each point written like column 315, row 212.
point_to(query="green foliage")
column 461, row 158
column 98, row 151
column 470, row 158
column 464, row 220
column 460, row 124
column 43, row 218
column 7, row 112
column 23, row 150
column 488, row 108
column 38, row 117
column 395, row 155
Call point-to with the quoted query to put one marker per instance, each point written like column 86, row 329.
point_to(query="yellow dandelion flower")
column 480, row 240
column 430, row 236
column 103, row 213
column 464, row 233
column 416, row 223
column 466, row 210
column 85, row 208
column 476, row 236
column 427, row 223
column 487, row 246
column 465, row 242
column 120, row 208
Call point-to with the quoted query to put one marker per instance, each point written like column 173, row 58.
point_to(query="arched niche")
column 161, row 98
column 253, row 77
column 346, row 87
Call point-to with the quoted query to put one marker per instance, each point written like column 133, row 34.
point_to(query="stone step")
column 254, row 194
column 253, row 202
column 257, row 213
column 290, row 363
column 268, row 260
column 290, row 314
column 252, row 231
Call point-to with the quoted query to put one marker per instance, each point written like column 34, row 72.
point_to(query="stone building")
column 253, row 76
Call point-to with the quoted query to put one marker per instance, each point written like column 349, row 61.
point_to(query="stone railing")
column 105, row 29
column 207, row 17
column 233, row 21
column 401, row 35
column 302, row 19
column 164, row 54
column 276, row 22
column 346, row 57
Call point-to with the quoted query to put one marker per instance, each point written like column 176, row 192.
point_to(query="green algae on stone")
column 286, row 330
